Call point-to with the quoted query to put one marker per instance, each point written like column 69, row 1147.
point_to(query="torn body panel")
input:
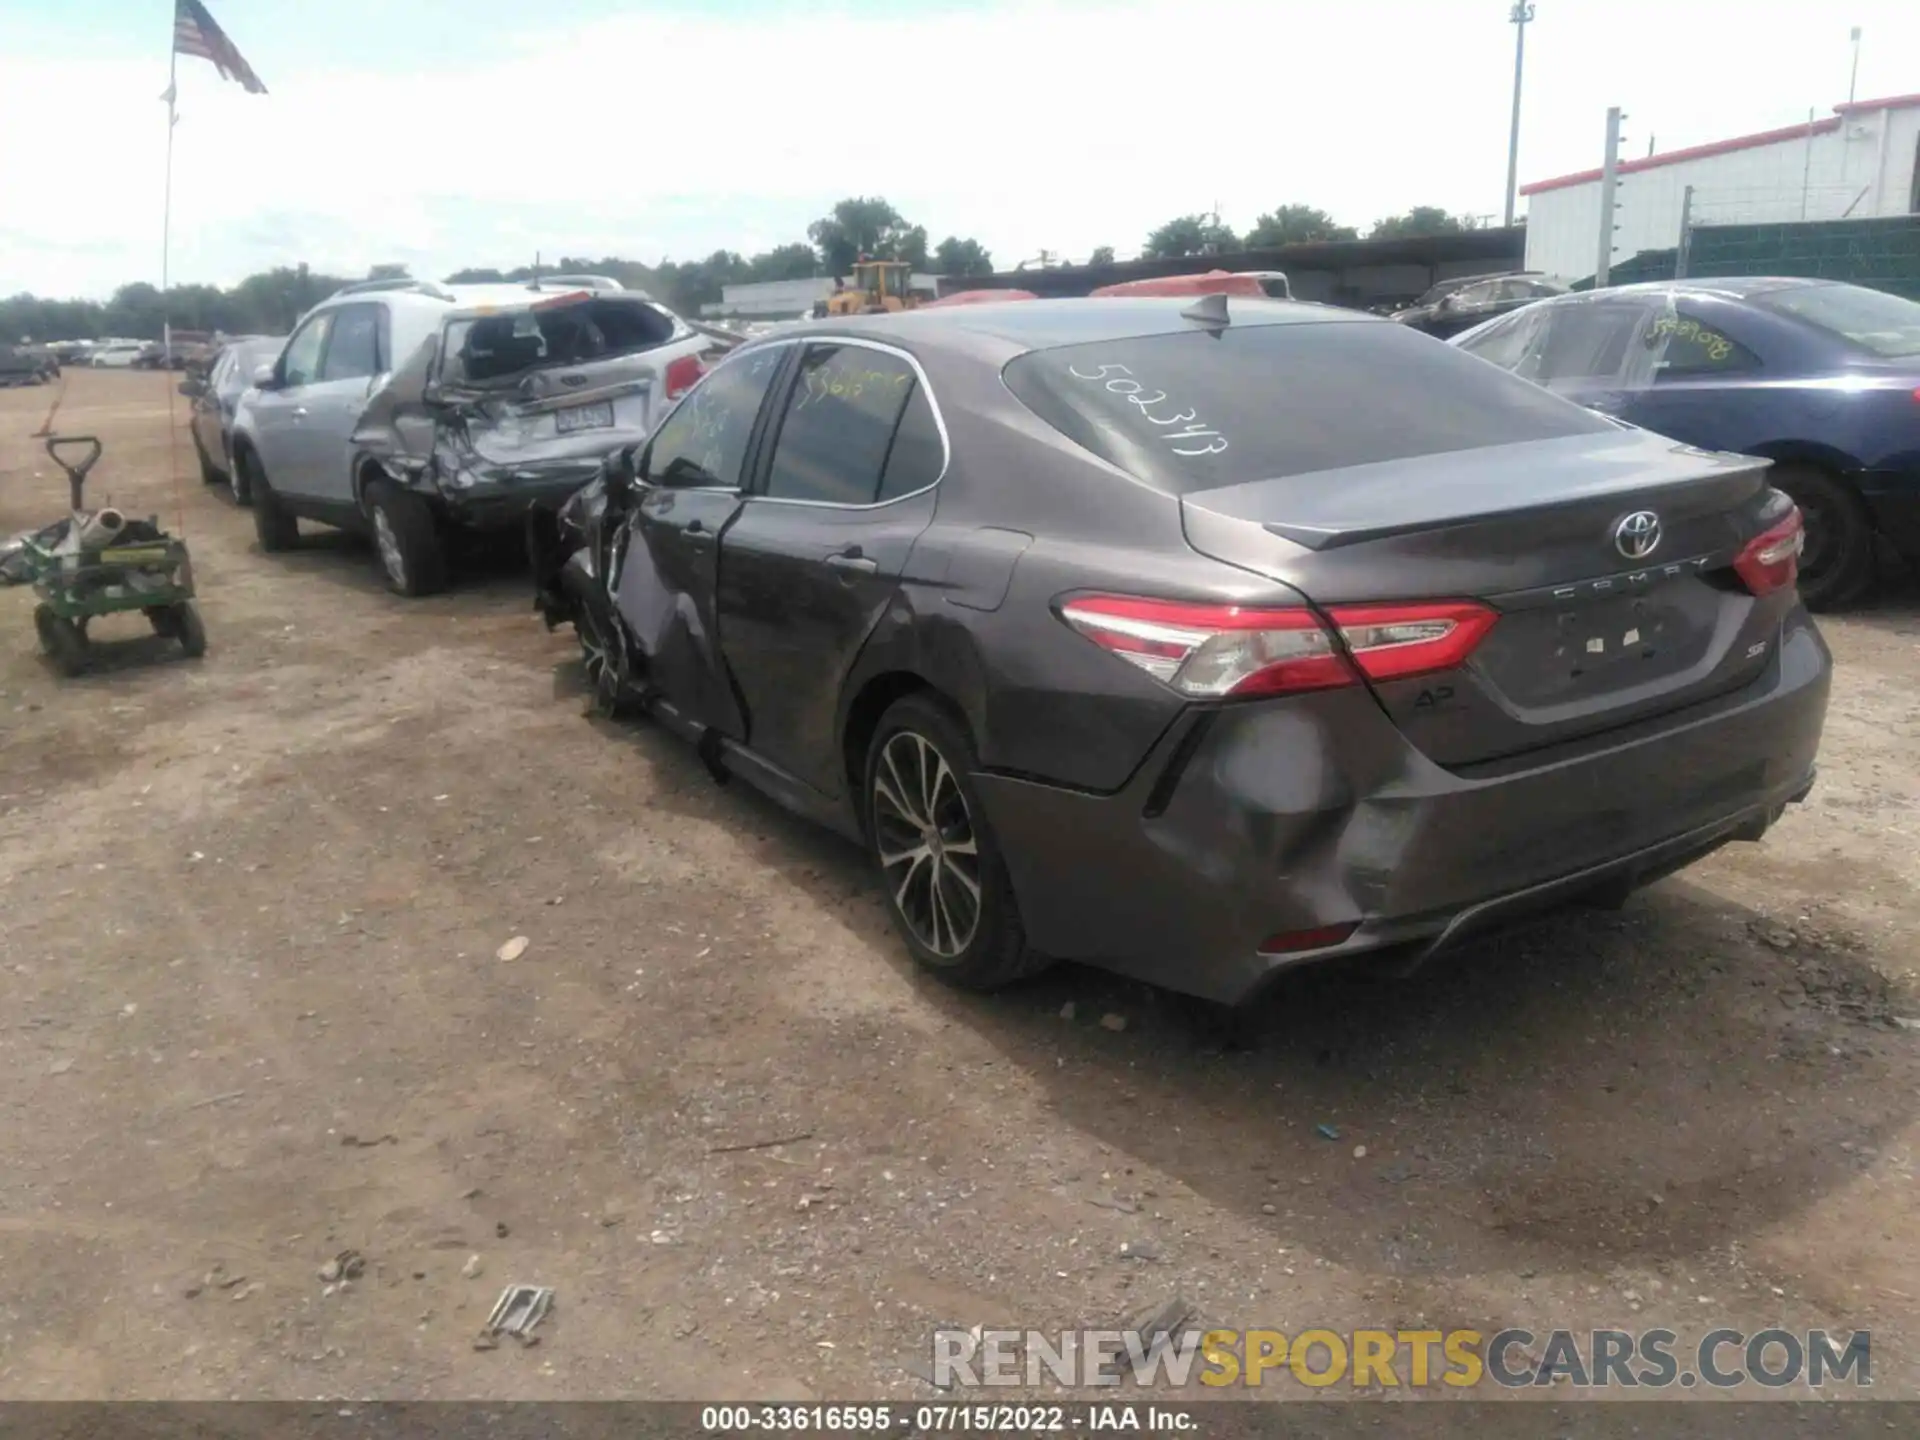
column 503, row 409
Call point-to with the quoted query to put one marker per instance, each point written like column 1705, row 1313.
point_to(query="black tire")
column 188, row 630
column 62, row 640
column 273, row 524
column 1838, row 565
column 162, row 618
column 929, row 884
column 406, row 537
column 208, row 474
column 239, row 485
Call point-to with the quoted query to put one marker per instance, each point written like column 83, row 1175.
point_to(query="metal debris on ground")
column 356, row 1142
column 218, row 1278
column 760, row 1144
column 1156, row 1325
column 1326, row 1131
column 519, row 1309
column 220, row 1099
column 347, row 1265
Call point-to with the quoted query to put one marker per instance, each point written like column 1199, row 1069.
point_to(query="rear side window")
column 1873, row 320
column 1192, row 411
column 919, row 454
column 838, row 433
column 1689, row 347
column 498, row 347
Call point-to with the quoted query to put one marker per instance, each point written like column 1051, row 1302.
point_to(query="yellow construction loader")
column 879, row 287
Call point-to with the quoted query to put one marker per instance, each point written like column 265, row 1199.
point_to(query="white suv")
column 404, row 409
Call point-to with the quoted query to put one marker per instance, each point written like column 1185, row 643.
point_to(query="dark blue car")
column 1822, row 378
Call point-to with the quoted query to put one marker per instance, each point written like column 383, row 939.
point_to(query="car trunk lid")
column 1608, row 560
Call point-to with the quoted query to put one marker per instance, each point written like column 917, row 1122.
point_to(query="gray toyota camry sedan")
column 1198, row 639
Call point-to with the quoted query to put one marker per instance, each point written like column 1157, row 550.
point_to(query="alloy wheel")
column 928, row 849
column 389, row 546
column 599, row 660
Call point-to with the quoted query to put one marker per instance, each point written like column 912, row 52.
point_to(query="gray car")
column 1198, row 640
column 215, row 397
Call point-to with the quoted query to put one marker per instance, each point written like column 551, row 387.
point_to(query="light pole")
column 1519, row 17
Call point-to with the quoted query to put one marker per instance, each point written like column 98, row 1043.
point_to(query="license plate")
column 584, row 417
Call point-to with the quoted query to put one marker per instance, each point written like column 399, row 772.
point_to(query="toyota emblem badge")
column 1637, row 536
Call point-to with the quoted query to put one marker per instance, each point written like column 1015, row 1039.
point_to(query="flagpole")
column 166, row 206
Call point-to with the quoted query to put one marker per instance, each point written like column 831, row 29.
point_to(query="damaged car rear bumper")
column 1229, row 856
column 502, row 499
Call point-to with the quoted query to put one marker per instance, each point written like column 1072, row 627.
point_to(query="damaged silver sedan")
column 416, row 413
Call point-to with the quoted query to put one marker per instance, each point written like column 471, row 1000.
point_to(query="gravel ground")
column 256, row 1016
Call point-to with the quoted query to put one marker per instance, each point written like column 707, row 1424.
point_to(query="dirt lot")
column 254, row 1016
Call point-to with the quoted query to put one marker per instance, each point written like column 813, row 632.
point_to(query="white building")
column 786, row 299
column 1860, row 162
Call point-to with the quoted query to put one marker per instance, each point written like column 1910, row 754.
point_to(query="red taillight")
column 1208, row 651
column 1293, row 942
column 1771, row 560
column 1391, row 642
column 683, row 374
column 559, row 302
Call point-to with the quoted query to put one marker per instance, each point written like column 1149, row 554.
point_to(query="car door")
column 665, row 568
column 207, row 426
column 280, row 410
column 810, row 564
column 354, row 356
column 1694, row 381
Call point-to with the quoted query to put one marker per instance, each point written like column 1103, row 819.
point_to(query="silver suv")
column 408, row 411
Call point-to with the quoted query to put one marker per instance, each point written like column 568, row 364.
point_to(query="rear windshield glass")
column 1191, row 411
column 1872, row 319
column 494, row 347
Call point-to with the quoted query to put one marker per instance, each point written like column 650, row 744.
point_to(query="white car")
column 115, row 357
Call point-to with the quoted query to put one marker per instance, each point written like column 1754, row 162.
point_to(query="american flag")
column 195, row 33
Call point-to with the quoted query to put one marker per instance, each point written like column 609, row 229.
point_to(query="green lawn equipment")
column 101, row 563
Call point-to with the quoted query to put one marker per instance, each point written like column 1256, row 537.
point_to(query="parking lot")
column 253, row 912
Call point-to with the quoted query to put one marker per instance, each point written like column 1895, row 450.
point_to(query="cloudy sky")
column 443, row 133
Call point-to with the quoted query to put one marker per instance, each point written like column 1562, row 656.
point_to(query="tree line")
column 269, row 303
column 1203, row 234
